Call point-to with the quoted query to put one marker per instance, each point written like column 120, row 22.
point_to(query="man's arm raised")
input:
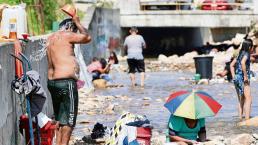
column 83, row 36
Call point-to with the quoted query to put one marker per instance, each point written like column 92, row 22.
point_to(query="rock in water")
column 109, row 110
column 158, row 140
column 213, row 142
column 242, row 139
column 163, row 58
column 255, row 136
column 100, row 83
column 251, row 122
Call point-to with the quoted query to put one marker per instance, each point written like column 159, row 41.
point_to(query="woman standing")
column 241, row 75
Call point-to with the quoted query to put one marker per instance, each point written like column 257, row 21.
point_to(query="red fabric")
column 214, row 105
column 176, row 94
column 143, row 136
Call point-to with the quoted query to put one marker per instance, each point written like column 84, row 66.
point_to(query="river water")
column 150, row 100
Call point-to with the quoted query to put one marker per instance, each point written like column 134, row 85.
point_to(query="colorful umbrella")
column 192, row 104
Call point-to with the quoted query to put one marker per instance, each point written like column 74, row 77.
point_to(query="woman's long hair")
column 247, row 45
column 114, row 57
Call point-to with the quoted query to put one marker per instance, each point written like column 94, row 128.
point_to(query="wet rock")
column 182, row 78
column 124, row 98
column 146, row 98
column 164, row 59
column 146, row 104
column 255, row 136
column 155, row 133
column 109, row 110
column 85, row 122
column 242, row 139
column 110, row 97
column 214, row 142
column 91, row 113
column 203, row 82
column 100, row 83
column 158, row 140
column 217, row 140
column 250, row 122
column 159, row 100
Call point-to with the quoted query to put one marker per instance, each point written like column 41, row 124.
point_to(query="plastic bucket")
column 46, row 135
column 203, row 66
column 143, row 135
column 197, row 77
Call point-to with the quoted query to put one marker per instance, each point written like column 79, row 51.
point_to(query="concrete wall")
column 9, row 100
column 104, row 27
column 255, row 6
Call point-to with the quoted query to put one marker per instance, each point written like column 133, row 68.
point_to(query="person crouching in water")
column 63, row 72
column 185, row 131
column 241, row 78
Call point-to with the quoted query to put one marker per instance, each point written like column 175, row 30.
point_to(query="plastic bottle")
column 12, row 28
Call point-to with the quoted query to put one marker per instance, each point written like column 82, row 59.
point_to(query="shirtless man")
column 63, row 72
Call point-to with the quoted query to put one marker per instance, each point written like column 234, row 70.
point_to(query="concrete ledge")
column 190, row 12
column 187, row 19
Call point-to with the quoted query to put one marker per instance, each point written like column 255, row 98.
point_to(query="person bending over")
column 185, row 131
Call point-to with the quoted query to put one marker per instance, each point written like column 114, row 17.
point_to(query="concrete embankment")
column 9, row 101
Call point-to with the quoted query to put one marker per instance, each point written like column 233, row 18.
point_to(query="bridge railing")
column 186, row 5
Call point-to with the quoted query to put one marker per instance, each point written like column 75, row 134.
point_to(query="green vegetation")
column 41, row 13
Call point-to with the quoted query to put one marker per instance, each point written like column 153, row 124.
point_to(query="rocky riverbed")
column 106, row 105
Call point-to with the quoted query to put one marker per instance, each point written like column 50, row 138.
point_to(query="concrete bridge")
column 179, row 31
column 131, row 14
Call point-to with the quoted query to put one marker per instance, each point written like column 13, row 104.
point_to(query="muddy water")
column 150, row 100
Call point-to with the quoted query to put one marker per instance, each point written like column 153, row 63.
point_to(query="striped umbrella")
column 192, row 104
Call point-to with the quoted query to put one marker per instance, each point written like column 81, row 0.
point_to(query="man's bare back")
column 61, row 58
column 60, row 52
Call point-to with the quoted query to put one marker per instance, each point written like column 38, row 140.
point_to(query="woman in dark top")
column 241, row 76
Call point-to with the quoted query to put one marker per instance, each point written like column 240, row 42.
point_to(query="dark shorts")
column 65, row 100
column 136, row 65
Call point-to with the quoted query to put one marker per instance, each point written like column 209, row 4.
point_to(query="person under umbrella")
column 187, row 121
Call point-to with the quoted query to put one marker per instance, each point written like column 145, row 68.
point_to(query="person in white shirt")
column 134, row 45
